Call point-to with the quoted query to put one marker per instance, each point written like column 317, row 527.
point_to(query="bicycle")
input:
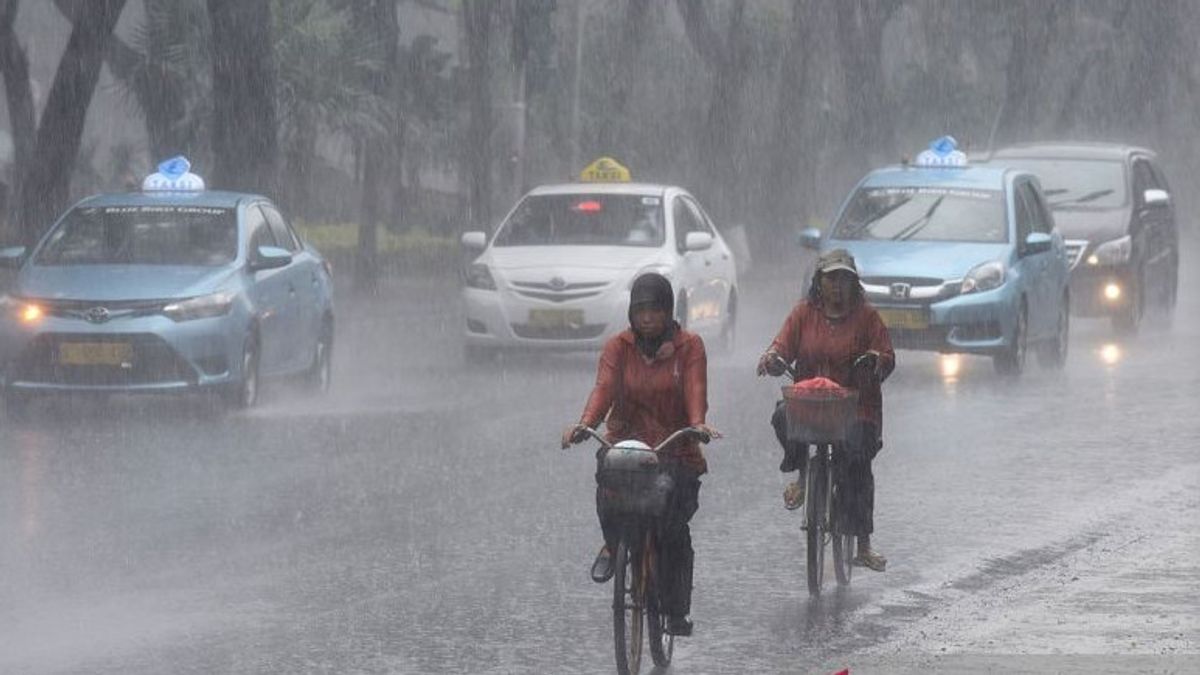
column 819, row 421
column 636, row 490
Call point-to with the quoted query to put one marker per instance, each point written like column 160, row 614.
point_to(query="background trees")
column 435, row 114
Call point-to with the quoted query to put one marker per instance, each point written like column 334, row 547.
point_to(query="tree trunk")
column 45, row 187
column 478, row 19
column 244, row 131
column 14, row 68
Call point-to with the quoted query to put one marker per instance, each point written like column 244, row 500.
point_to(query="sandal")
column 870, row 560
column 793, row 496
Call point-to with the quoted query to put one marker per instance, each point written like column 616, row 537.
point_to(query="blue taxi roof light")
column 943, row 152
column 173, row 175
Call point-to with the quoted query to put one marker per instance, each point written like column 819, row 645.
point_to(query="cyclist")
column 652, row 380
column 836, row 333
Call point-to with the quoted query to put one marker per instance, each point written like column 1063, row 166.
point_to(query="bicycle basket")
column 632, row 483
column 819, row 415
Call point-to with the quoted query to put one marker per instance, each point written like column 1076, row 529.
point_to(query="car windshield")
column 924, row 214
column 1075, row 183
column 143, row 235
column 585, row 220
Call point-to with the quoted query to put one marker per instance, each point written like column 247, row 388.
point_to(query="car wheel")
column 320, row 373
column 475, row 355
column 244, row 394
column 1012, row 360
column 1052, row 354
column 1129, row 318
column 681, row 311
column 727, row 341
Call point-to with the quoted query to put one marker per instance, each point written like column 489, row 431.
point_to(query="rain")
column 390, row 495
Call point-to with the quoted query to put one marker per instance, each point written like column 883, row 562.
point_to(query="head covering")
column 836, row 259
column 652, row 290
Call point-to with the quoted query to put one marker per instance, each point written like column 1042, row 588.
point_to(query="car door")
column 1034, row 267
column 1152, row 225
column 720, row 266
column 302, row 283
column 273, row 298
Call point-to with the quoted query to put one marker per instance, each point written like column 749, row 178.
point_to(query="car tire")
column 320, row 373
column 681, row 310
column 476, row 355
column 1011, row 362
column 727, row 340
column 243, row 395
column 1052, row 354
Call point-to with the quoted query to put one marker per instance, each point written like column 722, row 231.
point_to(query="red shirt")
column 649, row 399
column 828, row 347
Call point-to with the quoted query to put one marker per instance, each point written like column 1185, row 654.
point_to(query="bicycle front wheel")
column 629, row 600
column 815, row 504
column 662, row 643
column 843, row 554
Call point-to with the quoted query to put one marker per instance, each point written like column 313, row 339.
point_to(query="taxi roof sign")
column 942, row 153
column 174, row 175
column 605, row 170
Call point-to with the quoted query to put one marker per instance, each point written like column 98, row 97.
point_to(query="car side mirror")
column 810, row 237
column 269, row 258
column 1038, row 242
column 698, row 241
column 12, row 257
column 474, row 240
column 1156, row 197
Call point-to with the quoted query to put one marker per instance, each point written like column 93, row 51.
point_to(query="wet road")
column 422, row 520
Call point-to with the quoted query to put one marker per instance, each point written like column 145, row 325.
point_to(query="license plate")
column 95, row 353
column 556, row 318
column 905, row 319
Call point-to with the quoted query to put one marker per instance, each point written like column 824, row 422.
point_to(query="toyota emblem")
column 97, row 314
column 558, row 283
column 900, row 291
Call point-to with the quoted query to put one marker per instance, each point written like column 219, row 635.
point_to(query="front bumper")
column 1091, row 294
column 977, row 323
column 507, row 319
column 156, row 354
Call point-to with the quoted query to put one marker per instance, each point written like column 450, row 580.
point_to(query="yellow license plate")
column 556, row 318
column 95, row 353
column 905, row 319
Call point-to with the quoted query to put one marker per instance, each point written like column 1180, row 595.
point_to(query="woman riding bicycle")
column 835, row 333
column 652, row 380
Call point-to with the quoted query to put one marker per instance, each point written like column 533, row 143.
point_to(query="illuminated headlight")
column 478, row 276
column 24, row 311
column 203, row 307
column 1115, row 252
column 984, row 277
column 1112, row 291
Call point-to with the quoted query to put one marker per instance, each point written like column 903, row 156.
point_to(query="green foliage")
column 413, row 251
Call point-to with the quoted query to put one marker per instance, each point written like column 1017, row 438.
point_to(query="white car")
column 557, row 272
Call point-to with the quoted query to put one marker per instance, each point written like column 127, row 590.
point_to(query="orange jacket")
column 828, row 348
column 649, row 399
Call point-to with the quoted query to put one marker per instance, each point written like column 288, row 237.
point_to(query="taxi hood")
column 1094, row 225
column 929, row 259
column 515, row 258
column 118, row 282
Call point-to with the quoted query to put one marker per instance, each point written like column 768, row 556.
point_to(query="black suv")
column 1113, row 207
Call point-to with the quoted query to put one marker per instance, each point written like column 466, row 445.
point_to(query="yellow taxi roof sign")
column 605, row 170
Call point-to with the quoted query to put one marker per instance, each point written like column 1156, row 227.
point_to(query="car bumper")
column 506, row 319
column 142, row 354
column 977, row 323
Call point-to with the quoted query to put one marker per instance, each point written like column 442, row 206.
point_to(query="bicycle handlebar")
column 661, row 447
column 865, row 362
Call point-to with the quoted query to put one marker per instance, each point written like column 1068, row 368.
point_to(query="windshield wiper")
column 919, row 224
column 1054, row 191
column 855, row 231
column 1091, row 196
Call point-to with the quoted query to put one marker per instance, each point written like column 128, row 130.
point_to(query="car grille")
column 1075, row 250
column 562, row 292
column 154, row 362
column 915, row 290
column 583, row 332
column 113, row 309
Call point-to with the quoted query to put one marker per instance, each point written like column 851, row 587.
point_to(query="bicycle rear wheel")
column 815, row 504
column 662, row 643
column 629, row 594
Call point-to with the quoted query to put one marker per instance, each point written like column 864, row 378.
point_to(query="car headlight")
column 479, row 276
column 1115, row 252
column 984, row 277
column 203, row 307
column 21, row 309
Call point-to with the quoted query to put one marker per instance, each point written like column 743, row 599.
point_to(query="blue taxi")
column 173, row 288
column 958, row 258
